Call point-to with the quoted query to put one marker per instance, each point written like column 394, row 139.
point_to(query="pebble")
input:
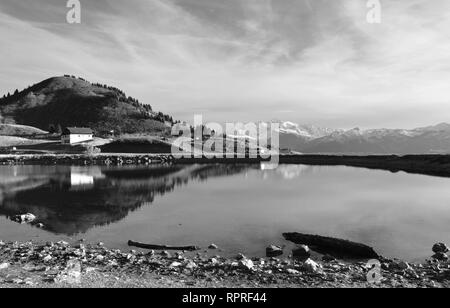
column 301, row 252
column 191, row 265
column 403, row 265
column 71, row 274
column 4, row 266
column 240, row 256
column 440, row 256
column 274, row 251
column 165, row 254
column 246, row 264
column 311, row 266
column 175, row 264
column 292, row 271
column 440, row 248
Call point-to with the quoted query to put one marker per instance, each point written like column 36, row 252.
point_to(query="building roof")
column 78, row 131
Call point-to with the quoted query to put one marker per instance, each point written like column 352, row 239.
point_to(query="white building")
column 73, row 135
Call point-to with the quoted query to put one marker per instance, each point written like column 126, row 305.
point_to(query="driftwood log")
column 336, row 247
column 162, row 247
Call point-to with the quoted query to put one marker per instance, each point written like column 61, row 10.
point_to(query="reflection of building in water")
column 82, row 178
column 79, row 180
column 268, row 166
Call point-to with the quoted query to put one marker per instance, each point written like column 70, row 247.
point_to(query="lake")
column 241, row 208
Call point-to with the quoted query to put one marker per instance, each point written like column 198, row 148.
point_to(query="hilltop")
column 60, row 102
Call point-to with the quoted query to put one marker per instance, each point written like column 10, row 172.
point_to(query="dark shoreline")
column 435, row 165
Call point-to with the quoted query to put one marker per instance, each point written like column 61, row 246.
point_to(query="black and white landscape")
column 117, row 170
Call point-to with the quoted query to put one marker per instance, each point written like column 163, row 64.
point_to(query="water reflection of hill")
column 70, row 200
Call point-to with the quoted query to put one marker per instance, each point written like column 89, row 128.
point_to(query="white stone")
column 311, row 266
column 246, row 264
column 4, row 266
column 175, row 264
column 71, row 274
column 191, row 265
column 292, row 271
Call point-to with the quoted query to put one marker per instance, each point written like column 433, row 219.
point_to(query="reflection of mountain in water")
column 71, row 200
column 287, row 172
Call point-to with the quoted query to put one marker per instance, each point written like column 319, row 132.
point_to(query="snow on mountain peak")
column 307, row 131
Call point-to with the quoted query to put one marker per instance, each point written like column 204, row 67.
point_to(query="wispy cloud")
column 244, row 59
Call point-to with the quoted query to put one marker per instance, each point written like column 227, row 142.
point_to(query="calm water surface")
column 240, row 208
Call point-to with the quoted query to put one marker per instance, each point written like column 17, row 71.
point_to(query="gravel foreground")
column 61, row 265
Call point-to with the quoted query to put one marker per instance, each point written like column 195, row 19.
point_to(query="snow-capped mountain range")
column 307, row 131
column 313, row 139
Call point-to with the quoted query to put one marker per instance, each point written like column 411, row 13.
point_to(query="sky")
column 306, row 61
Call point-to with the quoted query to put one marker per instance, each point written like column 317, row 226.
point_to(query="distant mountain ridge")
column 311, row 139
column 69, row 101
column 307, row 131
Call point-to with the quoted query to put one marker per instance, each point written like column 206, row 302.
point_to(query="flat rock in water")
column 24, row 218
column 213, row 246
column 333, row 246
column 440, row 248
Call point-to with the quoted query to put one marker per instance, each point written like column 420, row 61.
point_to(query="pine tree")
column 51, row 129
column 58, row 129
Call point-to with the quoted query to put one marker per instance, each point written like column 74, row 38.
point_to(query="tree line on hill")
column 141, row 113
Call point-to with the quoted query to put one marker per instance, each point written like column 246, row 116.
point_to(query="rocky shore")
column 85, row 265
column 437, row 165
column 86, row 159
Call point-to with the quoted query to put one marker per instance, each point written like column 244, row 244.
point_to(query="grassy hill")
column 60, row 102
column 20, row 130
column 11, row 141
